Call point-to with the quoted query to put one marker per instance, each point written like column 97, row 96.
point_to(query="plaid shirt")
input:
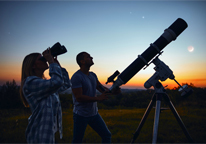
column 42, row 96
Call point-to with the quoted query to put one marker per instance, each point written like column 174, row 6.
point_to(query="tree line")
column 10, row 98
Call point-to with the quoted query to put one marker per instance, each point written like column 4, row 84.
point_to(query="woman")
column 41, row 96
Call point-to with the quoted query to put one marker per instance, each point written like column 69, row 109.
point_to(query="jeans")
column 95, row 122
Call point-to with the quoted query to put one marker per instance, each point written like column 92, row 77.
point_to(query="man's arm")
column 103, row 89
column 84, row 98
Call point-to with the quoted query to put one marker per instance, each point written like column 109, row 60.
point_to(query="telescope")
column 170, row 34
column 163, row 72
column 56, row 49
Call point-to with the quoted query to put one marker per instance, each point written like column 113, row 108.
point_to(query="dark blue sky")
column 113, row 32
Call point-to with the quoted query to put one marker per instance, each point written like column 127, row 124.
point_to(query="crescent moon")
column 190, row 48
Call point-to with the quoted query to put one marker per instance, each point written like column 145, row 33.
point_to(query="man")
column 85, row 112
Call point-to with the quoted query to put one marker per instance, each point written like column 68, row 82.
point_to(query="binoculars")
column 56, row 49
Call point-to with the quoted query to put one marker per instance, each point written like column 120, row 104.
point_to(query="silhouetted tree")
column 9, row 95
column 10, row 98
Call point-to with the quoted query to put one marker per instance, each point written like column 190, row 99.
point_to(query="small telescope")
column 170, row 34
column 56, row 49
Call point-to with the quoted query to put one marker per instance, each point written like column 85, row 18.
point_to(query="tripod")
column 162, row 73
column 158, row 98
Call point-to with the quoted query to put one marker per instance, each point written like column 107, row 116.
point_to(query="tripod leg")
column 136, row 134
column 156, row 119
column 179, row 120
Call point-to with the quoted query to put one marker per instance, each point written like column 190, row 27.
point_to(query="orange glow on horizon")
column 12, row 71
column 131, row 84
column 169, row 83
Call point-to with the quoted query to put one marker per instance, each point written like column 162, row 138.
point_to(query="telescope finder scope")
column 170, row 34
column 112, row 77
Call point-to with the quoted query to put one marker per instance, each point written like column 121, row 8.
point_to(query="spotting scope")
column 170, row 34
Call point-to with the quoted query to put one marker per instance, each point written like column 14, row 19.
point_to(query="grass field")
column 121, row 122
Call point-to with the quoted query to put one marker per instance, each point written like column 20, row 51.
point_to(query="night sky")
column 114, row 33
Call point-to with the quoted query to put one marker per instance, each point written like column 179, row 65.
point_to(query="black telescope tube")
column 169, row 34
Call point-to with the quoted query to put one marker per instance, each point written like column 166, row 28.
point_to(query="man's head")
column 84, row 59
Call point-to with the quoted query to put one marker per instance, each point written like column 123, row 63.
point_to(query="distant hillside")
column 69, row 91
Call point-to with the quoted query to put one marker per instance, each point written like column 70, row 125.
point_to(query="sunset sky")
column 113, row 32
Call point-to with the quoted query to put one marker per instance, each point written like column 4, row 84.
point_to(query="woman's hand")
column 47, row 55
column 56, row 61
